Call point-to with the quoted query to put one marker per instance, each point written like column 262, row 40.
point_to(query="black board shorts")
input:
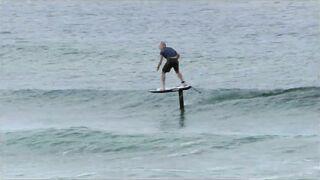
column 171, row 63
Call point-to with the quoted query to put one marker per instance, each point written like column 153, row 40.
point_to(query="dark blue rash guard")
column 168, row 52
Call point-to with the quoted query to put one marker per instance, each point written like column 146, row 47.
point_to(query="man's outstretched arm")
column 160, row 62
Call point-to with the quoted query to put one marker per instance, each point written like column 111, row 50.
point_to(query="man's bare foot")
column 184, row 84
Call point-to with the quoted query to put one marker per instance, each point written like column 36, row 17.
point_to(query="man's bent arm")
column 160, row 62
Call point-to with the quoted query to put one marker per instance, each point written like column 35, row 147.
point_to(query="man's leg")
column 176, row 69
column 163, row 80
column 180, row 76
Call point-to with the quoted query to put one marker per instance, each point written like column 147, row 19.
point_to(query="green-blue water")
column 75, row 74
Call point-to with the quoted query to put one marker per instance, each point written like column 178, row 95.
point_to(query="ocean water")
column 75, row 75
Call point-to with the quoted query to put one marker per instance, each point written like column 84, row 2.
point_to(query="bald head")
column 162, row 45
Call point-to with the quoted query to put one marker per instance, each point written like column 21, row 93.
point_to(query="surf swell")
column 77, row 140
column 306, row 97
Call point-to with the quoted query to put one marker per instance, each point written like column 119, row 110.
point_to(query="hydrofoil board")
column 173, row 89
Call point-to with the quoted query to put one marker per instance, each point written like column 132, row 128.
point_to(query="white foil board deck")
column 173, row 89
